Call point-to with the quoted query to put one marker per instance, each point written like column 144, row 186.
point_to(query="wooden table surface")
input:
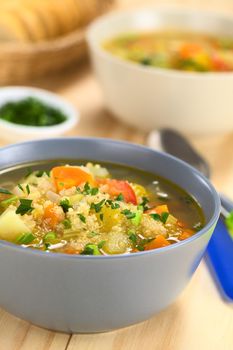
column 200, row 319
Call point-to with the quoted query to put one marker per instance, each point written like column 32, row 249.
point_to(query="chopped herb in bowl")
column 31, row 112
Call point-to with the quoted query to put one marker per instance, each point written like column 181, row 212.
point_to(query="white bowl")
column 147, row 97
column 15, row 132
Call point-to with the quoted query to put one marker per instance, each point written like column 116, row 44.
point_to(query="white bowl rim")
column 171, row 247
column 96, row 46
column 72, row 115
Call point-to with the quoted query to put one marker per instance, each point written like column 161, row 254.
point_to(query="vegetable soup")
column 173, row 49
column 93, row 209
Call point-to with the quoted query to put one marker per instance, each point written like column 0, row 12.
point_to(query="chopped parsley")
column 101, row 244
column 144, row 202
column 120, row 198
column 128, row 213
column 24, row 207
column 156, row 217
column 101, row 216
column 133, row 238
column 87, row 188
column 92, row 234
column 28, row 189
column 97, row 207
column 20, row 187
column 94, row 191
column 40, row 173
column 115, row 206
column 82, row 218
column 65, row 204
column 163, row 217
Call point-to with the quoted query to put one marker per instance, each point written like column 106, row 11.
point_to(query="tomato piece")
column 116, row 187
column 67, row 176
column 158, row 242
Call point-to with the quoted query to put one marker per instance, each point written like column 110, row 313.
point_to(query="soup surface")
column 186, row 51
column 93, row 209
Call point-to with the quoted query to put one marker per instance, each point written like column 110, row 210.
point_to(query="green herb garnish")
column 120, row 198
column 97, row 207
column 82, row 218
column 20, row 187
column 101, row 216
column 133, row 238
column 144, row 202
column 24, row 207
column 65, row 204
column 25, row 238
column 94, row 191
column 156, row 217
column 164, row 217
column 128, row 213
column 31, row 112
column 5, row 191
column 28, row 189
column 87, row 188
column 115, row 206
column 101, row 244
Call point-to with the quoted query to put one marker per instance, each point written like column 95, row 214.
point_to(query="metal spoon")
column 176, row 144
column 220, row 248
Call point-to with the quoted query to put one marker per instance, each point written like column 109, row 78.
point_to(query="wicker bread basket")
column 22, row 61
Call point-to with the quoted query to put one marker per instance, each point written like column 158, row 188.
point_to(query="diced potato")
column 111, row 217
column 75, row 198
column 11, row 226
column 117, row 243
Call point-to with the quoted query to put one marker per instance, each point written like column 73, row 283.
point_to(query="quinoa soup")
column 93, row 208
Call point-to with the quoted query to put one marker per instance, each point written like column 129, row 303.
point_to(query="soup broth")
column 93, row 209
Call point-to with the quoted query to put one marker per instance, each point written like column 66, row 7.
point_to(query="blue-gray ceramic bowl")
column 94, row 294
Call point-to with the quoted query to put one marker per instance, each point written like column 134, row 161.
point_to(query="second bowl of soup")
column 164, row 67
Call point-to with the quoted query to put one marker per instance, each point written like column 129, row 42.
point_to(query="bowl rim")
column 95, row 45
column 54, row 100
column 212, row 222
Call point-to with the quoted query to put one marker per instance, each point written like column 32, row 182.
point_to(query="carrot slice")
column 116, row 187
column 186, row 234
column 158, row 242
column 51, row 215
column 188, row 50
column 66, row 176
column 158, row 210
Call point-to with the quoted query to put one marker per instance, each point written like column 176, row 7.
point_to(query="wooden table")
column 200, row 319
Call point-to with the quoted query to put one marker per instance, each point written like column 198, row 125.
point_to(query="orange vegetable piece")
column 51, row 214
column 189, row 50
column 158, row 242
column 158, row 210
column 186, row 234
column 66, row 176
column 116, row 187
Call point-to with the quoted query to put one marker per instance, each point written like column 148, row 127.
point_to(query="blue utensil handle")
column 220, row 253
